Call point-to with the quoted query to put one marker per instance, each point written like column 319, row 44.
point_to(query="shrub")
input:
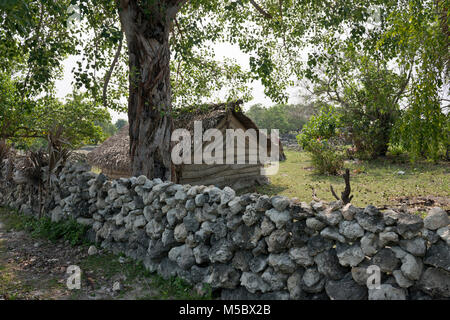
column 68, row 230
column 320, row 137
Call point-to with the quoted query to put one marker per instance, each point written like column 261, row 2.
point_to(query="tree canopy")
column 384, row 57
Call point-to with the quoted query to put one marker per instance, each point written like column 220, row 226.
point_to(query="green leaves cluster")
column 320, row 138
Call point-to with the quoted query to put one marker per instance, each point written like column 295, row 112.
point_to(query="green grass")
column 68, row 230
column 175, row 288
column 373, row 182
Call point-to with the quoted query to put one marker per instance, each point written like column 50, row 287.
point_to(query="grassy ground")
column 33, row 262
column 376, row 182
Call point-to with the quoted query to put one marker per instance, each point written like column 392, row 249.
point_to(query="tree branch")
column 110, row 71
column 263, row 12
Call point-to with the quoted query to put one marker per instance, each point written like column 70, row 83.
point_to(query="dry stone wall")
column 252, row 246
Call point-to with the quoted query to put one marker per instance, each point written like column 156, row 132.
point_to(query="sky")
column 222, row 50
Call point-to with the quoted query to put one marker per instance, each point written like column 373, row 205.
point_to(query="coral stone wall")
column 253, row 246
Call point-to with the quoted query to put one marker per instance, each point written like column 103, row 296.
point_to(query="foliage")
column 379, row 44
column 68, row 230
column 287, row 118
column 120, row 123
column 421, row 34
column 108, row 130
column 368, row 95
column 319, row 138
column 24, row 120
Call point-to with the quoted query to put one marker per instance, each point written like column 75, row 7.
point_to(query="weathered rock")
column 277, row 241
column 315, row 224
column 227, row 195
column 275, row 280
column 301, row 256
column 351, row 230
column 253, row 282
column 416, row 246
column 57, row 214
column 349, row 255
column 435, row 282
column 263, row 203
column 332, row 234
column 372, row 224
column 92, row 250
column 369, row 244
column 401, row 280
column 436, row 219
column 430, row 236
column 387, row 292
column 387, row 237
column 349, row 211
column 412, row 267
column 371, row 211
column 259, row 263
column 444, row 233
column 221, row 251
column 280, row 218
column 317, row 244
column 409, row 225
column 331, row 218
column 345, row 289
column 328, row 265
column 200, row 200
column 294, row 283
column 238, row 294
column 183, row 256
column 241, row 260
column 267, row 227
column 313, row 281
column 223, row 276
column 438, row 255
column 180, row 232
column 201, row 254
column 386, row 260
column 281, row 263
column 280, row 203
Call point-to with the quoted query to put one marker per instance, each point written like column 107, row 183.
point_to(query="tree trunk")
column 149, row 105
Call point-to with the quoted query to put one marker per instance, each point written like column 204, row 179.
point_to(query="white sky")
column 222, row 50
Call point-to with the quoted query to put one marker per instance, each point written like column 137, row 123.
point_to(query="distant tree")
column 25, row 120
column 120, row 123
column 108, row 129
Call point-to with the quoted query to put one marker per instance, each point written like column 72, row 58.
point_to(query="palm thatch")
column 113, row 155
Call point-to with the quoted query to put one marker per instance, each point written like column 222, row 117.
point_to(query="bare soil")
column 35, row 269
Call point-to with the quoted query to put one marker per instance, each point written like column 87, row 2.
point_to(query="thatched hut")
column 112, row 157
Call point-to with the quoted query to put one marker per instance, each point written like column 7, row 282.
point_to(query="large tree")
column 147, row 25
column 168, row 49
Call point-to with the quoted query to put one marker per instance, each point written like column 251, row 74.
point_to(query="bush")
column 326, row 158
column 320, row 137
column 69, row 230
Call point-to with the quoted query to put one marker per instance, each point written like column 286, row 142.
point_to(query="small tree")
column 320, row 137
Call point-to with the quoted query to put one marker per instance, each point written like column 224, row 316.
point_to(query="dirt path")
column 32, row 269
column 37, row 269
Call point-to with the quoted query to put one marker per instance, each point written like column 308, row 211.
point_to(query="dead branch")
column 345, row 195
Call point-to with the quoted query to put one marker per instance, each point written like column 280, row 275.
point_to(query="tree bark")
column 150, row 95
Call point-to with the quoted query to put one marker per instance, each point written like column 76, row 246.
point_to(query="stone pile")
column 254, row 246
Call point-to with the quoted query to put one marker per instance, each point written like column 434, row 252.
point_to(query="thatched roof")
column 113, row 154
